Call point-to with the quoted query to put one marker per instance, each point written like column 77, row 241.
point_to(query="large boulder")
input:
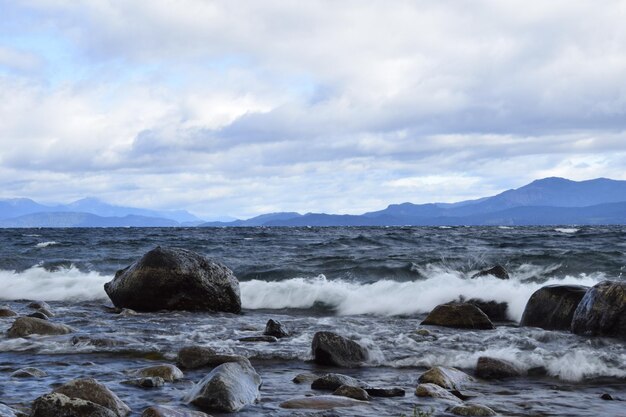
column 602, row 311
column 497, row 271
column 331, row 349
column 492, row 368
column 552, row 307
column 91, row 390
column 25, row 326
column 175, row 279
column 459, row 316
column 227, row 388
column 60, row 405
column 445, row 377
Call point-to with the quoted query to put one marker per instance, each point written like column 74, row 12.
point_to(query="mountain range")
column 549, row 201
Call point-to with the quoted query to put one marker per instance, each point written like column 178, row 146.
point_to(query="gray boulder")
column 175, row 279
column 276, row 329
column 445, row 377
column 331, row 349
column 602, row 311
column 459, row 316
column 60, row 405
column 25, row 326
column 552, row 307
column 227, row 388
column 91, row 390
column 472, row 410
column 435, row 391
column 333, row 381
column 492, row 368
column 352, row 392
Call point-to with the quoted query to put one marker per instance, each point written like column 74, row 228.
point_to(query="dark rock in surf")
column 276, row 329
column 459, row 316
column 435, row 391
column 497, row 271
column 36, row 305
column 472, row 410
column 352, row 392
column 607, row 397
column 537, row 371
column 552, row 307
column 268, row 339
column 163, row 411
column 38, row 315
column 60, row 405
column 147, row 382
column 385, row 392
column 491, row 368
column 227, row 388
column 26, row 326
column 7, row 312
column 175, row 279
column 331, row 349
column 602, row 311
column 331, row 382
column 445, row 377
column 91, row 390
column 194, row 356
column 496, row 311
column 28, row 373
column 168, row 372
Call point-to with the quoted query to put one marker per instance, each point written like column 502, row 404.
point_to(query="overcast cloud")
column 244, row 107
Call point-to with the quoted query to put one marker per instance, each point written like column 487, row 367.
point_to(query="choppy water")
column 372, row 284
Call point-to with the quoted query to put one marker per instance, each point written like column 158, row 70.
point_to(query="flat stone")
column 385, row 392
column 352, row 392
column 321, row 402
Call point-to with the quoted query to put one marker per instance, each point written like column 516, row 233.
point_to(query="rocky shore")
column 167, row 279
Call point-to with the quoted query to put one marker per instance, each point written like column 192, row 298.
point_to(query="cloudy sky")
column 243, row 107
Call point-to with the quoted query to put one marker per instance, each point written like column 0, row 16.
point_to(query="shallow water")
column 374, row 285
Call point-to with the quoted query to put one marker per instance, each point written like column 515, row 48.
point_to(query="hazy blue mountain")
column 100, row 208
column 545, row 201
column 73, row 219
column 15, row 207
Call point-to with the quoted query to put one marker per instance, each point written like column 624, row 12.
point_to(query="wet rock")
column 435, row 391
column 227, row 388
column 60, row 405
column 194, row 356
column 25, row 326
column 537, row 371
column 6, row 411
column 97, row 341
column 148, row 382
column 491, row 368
column 128, row 312
column 497, row 271
column 276, row 329
column 333, row 381
column 91, row 390
column 459, row 316
column 552, row 307
column 36, row 305
column 606, row 397
column 28, row 373
column 352, row 392
column 162, row 411
column 175, row 279
column 602, row 311
column 494, row 310
column 268, row 339
column 465, row 395
column 448, row 378
column 472, row 410
column 385, row 392
column 305, row 378
column 331, row 349
column 38, row 315
column 46, row 311
column 7, row 312
column 168, row 372
column 321, row 402
column 423, row 332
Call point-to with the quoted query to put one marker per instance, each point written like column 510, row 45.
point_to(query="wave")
column 387, row 297
column 46, row 244
column 566, row 230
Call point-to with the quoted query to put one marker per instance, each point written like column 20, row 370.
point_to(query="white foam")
column 64, row 284
column 566, row 230
column 386, row 297
column 46, row 244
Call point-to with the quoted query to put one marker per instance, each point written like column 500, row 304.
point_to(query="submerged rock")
column 36, row 305
column 163, row 411
column 91, row 390
column 331, row 349
column 28, row 373
column 168, row 372
column 491, row 368
column 497, row 271
column 276, row 329
column 448, row 378
column 7, row 312
column 602, row 311
column 472, row 410
column 194, row 356
column 435, row 391
column 25, row 326
column 333, row 381
column 352, row 392
column 552, row 307
column 385, row 392
column 459, row 316
column 227, row 388
column 60, row 405
column 268, row 339
column 496, row 311
column 38, row 315
column 175, row 279
column 305, row 378
column 147, row 382
column 321, row 402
